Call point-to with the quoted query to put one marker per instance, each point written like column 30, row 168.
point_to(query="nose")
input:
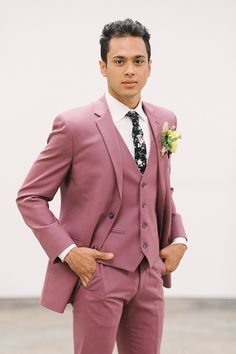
column 130, row 70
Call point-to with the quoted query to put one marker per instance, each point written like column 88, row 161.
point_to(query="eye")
column 119, row 61
column 139, row 61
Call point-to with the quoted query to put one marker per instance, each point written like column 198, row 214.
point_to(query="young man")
column 118, row 236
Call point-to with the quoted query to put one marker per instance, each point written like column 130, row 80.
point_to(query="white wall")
column 49, row 64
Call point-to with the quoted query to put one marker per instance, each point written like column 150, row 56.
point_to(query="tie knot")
column 133, row 115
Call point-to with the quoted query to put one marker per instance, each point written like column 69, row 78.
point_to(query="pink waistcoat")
column 135, row 234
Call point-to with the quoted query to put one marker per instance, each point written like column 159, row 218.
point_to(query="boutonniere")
column 169, row 136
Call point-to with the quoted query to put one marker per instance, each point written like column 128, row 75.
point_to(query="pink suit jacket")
column 82, row 158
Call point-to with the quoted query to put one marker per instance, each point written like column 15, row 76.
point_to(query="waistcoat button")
column 144, row 204
column 145, row 244
column 144, row 184
column 111, row 215
column 95, row 247
column 144, row 224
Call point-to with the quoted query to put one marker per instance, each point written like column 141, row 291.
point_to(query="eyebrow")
column 123, row 57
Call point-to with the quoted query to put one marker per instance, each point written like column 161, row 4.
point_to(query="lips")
column 129, row 82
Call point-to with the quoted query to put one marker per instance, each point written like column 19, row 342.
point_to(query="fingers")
column 85, row 280
column 170, row 260
column 103, row 255
column 82, row 260
column 85, row 275
column 170, row 267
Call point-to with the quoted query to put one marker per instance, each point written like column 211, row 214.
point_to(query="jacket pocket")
column 116, row 231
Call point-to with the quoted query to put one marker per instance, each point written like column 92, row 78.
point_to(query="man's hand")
column 171, row 256
column 82, row 260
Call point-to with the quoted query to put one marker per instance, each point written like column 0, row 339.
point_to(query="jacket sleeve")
column 41, row 184
column 177, row 227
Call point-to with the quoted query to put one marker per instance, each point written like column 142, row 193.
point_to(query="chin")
column 129, row 92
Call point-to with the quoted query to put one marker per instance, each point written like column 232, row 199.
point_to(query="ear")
column 149, row 67
column 103, row 68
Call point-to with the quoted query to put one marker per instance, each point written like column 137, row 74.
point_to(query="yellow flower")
column 175, row 135
column 169, row 139
column 174, row 146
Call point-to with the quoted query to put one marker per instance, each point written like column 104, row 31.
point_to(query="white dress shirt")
column 124, row 125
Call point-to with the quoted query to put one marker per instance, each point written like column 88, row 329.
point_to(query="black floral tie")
column 140, row 151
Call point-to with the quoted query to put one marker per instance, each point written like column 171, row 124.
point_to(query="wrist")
column 70, row 254
column 180, row 245
column 180, row 241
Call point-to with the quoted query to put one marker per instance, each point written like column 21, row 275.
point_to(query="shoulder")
column 76, row 119
column 77, row 114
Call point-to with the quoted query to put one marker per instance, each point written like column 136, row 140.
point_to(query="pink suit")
column 102, row 196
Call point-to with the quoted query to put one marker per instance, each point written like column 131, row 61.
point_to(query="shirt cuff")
column 66, row 251
column 178, row 240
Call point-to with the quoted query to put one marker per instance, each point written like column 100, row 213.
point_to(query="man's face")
column 127, row 67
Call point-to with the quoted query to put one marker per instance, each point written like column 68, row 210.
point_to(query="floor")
column 192, row 326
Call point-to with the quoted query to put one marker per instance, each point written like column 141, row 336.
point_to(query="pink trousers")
column 120, row 306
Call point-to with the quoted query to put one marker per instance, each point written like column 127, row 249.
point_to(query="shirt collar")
column 118, row 109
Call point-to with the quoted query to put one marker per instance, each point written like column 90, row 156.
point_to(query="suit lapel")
column 107, row 129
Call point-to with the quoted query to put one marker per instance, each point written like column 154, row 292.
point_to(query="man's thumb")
column 104, row 255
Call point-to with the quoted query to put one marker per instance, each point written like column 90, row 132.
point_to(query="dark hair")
column 127, row 27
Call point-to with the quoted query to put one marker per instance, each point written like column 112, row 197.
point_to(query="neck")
column 131, row 102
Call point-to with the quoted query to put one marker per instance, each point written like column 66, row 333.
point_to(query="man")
column 118, row 236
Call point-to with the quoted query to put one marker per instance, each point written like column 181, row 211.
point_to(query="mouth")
column 129, row 83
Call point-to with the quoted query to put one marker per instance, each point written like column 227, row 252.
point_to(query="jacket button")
column 144, row 204
column 145, row 244
column 144, row 224
column 111, row 215
column 144, row 184
column 95, row 247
